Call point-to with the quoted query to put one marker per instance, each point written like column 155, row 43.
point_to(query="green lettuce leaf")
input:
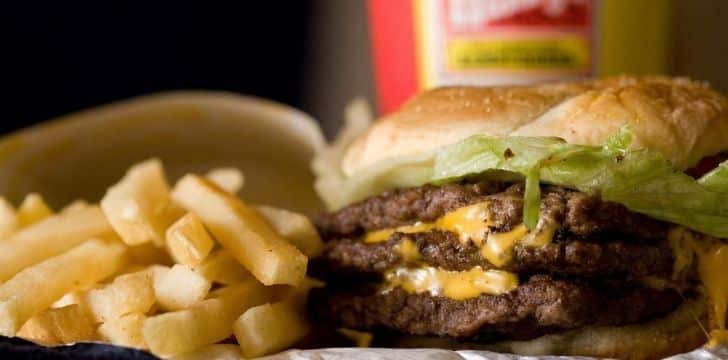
column 642, row 180
column 716, row 180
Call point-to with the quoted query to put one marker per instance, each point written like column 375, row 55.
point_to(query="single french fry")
column 8, row 219
column 124, row 331
column 128, row 293
column 49, row 238
column 62, row 325
column 35, row 288
column 75, row 205
column 135, row 205
column 269, row 328
column 158, row 271
column 188, row 241
column 229, row 179
column 205, row 323
column 180, row 288
column 36, row 330
column 215, row 351
column 222, row 268
column 294, row 227
column 73, row 297
column 242, row 231
column 32, row 210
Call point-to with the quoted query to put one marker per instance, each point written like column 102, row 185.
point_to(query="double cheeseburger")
column 586, row 218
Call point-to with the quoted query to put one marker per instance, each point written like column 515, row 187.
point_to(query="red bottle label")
column 418, row 44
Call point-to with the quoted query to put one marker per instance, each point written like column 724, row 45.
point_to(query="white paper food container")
column 82, row 154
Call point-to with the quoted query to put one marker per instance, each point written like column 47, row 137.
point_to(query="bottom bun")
column 678, row 332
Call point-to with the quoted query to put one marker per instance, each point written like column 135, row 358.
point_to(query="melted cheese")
column 712, row 257
column 408, row 250
column 470, row 223
column 542, row 235
column 383, row 235
column 457, row 285
column 498, row 249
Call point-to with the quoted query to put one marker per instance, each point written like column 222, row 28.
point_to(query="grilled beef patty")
column 594, row 238
column 539, row 306
column 580, row 214
column 444, row 249
column 587, row 275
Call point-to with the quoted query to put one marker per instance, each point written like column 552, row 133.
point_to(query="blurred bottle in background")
column 419, row 44
column 374, row 48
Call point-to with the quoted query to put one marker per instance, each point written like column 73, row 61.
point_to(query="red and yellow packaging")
column 418, row 44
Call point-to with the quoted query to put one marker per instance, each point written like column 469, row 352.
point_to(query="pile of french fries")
column 174, row 270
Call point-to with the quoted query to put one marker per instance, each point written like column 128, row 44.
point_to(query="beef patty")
column 594, row 237
column 444, row 250
column 579, row 214
column 538, row 306
column 587, row 275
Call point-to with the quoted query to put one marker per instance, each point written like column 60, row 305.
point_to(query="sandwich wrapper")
column 439, row 354
column 81, row 154
column 96, row 351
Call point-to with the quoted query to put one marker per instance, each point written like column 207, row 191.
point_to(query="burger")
column 585, row 218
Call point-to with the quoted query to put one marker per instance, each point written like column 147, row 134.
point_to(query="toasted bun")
column 678, row 332
column 683, row 119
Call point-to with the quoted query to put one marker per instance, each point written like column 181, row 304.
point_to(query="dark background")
column 58, row 59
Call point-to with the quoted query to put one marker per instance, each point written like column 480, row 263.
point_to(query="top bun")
column 682, row 119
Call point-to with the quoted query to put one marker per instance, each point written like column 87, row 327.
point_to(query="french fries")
column 32, row 209
column 38, row 331
column 50, row 237
column 242, row 231
column 77, row 204
column 139, row 269
column 62, row 325
column 73, row 297
column 136, row 204
column 188, row 241
column 222, row 268
column 8, row 219
column 129, row 293
column 35, row 288
column 294, row 227
column 125, row 330
column 269, row 328
column 180, row 288
column 228, row 178
column 150, row 254
column 205, row 323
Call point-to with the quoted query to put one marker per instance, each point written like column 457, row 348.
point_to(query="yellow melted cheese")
column 470, row 223
column 457, row 285
column 408, row 250
column 498, row 249
column 542, row 235
column 712, row 257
